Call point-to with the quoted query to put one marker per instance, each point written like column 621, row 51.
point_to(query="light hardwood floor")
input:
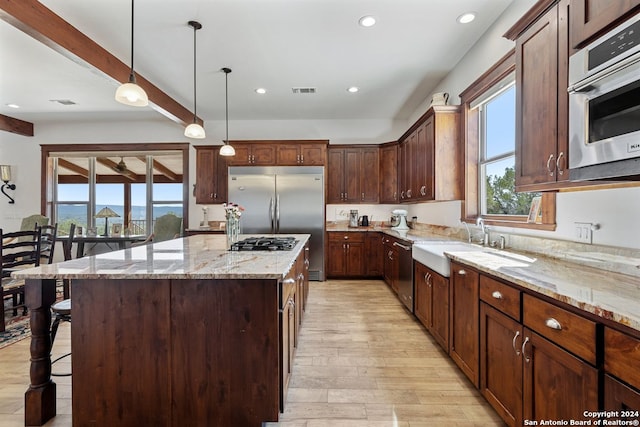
column 362, row 360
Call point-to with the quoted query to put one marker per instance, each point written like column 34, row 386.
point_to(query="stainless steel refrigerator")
column 283, row 200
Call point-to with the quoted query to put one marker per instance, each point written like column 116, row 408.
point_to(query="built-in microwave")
column 604, row 106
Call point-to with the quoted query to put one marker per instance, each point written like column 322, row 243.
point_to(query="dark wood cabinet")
column 464, row 330
column 345, row 255
column 622, row 356
column 429, row 166
column 253, row 154
column 591, row 18
column 432, row 303
column 301, row 154
column 542, row 111
column 619, row 397
column 353, row 174
column 389, row 173
column 211, row 176
column 373, row 255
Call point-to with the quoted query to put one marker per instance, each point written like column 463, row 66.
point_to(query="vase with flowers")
column 233, row 212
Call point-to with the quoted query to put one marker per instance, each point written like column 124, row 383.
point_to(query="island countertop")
column 195, row 257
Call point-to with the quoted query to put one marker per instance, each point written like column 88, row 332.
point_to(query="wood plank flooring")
column 362, row 360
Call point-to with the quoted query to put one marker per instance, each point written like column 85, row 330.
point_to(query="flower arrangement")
column 232, row 210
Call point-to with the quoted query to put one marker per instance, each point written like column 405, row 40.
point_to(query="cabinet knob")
column 553, row 324
column 462, row 272
column 496, row 295
column 346, row 237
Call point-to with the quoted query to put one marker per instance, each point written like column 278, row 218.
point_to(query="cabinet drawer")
column 622, row 356
column 346, row 236
column 500, row 296
column 569, row 330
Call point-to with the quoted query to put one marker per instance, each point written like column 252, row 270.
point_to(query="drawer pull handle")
column 553, row 324
column 462, row 272
column 513, row 343
column 496, row 295
column 289, row 281
column 524, row 344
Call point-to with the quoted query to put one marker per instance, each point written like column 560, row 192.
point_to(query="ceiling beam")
column 161, row 168
column 17, row 126
column 34, row 19
column 73, row 167
column 112, row 165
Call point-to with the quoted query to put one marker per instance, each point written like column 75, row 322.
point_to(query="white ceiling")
column 275, row 44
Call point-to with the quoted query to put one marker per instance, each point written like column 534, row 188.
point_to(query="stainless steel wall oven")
column 604, row 106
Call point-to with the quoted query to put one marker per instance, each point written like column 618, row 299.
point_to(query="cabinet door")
column 222, row 178
column 440, row 309
column 205, row 167
column 374, row 253
column 410, row 167
column 589, row 18
column 420, row 165
column 536, row 102
column 286, row 350
column 263, row 154
column 389, row 174
column 335, row 176
column 242, row 157
column 288, row 155
column 424, row 294
column 369, row 173
column 557, row 385
column 336, row 261
column 463, row 320
column 352, row 159
column 355, row 259
column 313, row 154
column 427, row 188
column 619, row 397
column 501, row 364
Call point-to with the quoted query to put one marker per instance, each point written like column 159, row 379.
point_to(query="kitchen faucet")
column 468, row 231
column 484, row 229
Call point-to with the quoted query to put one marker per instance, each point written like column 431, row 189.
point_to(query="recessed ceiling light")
column 261, row 90
column 13, row 105
column 465, row 18
column 367, row 21
column 353, row 89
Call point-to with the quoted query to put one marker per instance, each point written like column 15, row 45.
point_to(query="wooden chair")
column 48, row 238
column 21, row 251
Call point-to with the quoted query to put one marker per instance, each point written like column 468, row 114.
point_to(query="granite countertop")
column 609, row 295
column 411, row 235
column 202, row 256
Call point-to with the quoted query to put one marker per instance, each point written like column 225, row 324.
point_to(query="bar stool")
column 62, row 312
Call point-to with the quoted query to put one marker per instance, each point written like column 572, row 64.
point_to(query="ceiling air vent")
column 63, row 101
column 303, row 89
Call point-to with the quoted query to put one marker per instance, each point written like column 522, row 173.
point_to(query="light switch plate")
column 583, row 232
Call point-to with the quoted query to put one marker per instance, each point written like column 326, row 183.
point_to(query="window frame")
column 471, row 154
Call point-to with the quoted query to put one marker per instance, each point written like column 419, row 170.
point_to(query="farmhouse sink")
column 431, row 254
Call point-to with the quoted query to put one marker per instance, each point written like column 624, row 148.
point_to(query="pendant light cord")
column 195, row 100
column 132, row 76
column 226, row 102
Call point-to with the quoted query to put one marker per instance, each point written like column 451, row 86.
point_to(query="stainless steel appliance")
column 265, row 243
column 604, row 106
column 283, row 200
column 405, row 275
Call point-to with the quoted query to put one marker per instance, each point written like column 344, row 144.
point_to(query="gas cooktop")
column 265, row 244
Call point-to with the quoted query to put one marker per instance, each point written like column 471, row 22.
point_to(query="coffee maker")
column 353, row 218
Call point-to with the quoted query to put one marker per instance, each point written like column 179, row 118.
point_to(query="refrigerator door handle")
column 277, row 213
column 272, row 218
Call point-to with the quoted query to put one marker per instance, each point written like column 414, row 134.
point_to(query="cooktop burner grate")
column 265, row 244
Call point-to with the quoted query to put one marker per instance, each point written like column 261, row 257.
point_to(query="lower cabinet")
column 524, row 375
column 464, row 328
column 374, row 255
column 432, row 303
column 345, row 255
column 622, row 369
column 620, row 398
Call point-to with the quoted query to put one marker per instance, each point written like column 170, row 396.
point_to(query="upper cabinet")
column 430, row 157
column 389, row 173
column 301, row 153
column 211, row 175
column 591, row 18
column 542, row 110
column 352, row 174
column 253, row 154
column 279, row 153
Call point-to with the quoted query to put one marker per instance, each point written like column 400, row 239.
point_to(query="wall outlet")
column 583, row 232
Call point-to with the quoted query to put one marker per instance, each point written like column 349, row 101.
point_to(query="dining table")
column 113, row 242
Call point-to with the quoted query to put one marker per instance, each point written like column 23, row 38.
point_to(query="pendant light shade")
column 194, row 130
column 130, row 93
column 227, row 149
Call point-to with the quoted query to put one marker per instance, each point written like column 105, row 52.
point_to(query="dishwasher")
column 405, row 274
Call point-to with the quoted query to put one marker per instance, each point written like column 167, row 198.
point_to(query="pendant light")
column 194, row 130
column 227, row 149
column 130, row 93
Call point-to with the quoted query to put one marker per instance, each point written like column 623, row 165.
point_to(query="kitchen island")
column 175, row 333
